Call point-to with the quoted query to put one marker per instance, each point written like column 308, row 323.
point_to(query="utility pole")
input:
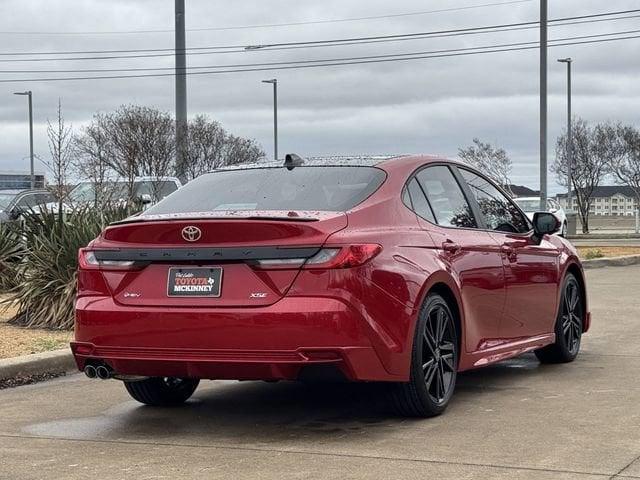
column 569, row 135
column 30, row 95
column 543, row 105
column 274, row 82
column 181, row 92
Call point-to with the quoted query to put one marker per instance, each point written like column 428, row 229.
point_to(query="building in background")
column 12, row 180
column 614, row 200
column 522, row 191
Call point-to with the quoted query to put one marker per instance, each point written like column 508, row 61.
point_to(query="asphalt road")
column 516, row 420
column 606, row 242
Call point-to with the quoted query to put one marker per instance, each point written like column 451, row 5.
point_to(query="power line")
column 264, row 64
column 331, row 42
column 272, row 25
column 329, row 63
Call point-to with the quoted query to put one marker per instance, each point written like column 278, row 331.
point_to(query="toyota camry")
column 405, row 270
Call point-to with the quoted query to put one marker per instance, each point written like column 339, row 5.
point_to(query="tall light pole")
column 274, row 81
column 569, row 134
column 29, row 94
column 543, row 105
column 181, row 92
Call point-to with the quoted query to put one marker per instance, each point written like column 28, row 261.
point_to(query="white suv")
column 531, row 205
column 147, row 190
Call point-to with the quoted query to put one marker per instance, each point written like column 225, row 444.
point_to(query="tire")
column 434, row 363
column 568, row 327
column 162, row 391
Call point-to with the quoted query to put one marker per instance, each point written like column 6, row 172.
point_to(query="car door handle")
column 450, row 247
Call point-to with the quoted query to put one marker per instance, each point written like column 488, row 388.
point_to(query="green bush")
column 11, row 251
column 44, row 285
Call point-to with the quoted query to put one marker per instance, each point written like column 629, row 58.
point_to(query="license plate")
column 194, row 282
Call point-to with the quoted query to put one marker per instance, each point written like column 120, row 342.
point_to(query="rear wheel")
column 434, row 363
column 568, row 327
column 162, row 391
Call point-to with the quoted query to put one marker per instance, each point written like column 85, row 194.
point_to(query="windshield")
column 86, row 192
column 528, row 205
column 5, row 199
column 337, row 188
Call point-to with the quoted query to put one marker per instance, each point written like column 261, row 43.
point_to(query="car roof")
column 386, row 162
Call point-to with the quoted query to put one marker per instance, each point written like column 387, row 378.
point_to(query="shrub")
column 45, row 289
column 591, row 254
column 11, row 251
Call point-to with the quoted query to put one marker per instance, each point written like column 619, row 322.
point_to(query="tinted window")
column 446, row 198
column 302, row 188
column 499, row 212
column 157, row 190
column 419, row 202
column 27, row 201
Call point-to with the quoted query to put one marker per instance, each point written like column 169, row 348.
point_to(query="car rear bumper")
column 281, row 341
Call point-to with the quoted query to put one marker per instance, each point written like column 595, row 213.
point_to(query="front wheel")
column 568, row 327
column 434, row 363
column 162, row 391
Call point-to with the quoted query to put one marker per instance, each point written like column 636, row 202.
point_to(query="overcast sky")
column 418, row 106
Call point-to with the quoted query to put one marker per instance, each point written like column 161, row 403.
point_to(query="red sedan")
column 405, row 271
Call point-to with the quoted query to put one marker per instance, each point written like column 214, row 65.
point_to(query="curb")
column 603, row 236
column 54, row 362
column 611, row 262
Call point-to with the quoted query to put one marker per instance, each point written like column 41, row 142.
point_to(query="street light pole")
column 569, row 135
column 181, row 91
column 543, row 105
column 33, row 176
column 274, row 82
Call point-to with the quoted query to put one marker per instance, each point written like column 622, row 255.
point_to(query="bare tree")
column 242, row 150
column 60, row 149
column 90, row 162
column 132, row 141
column 491, row 160
column 205, row 147
column 626, row 163
column 593, row 151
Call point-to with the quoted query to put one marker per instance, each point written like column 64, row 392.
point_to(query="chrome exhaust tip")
column 103, row 372
column 90, row 371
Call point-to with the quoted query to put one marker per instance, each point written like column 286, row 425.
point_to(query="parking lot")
column 514, row 420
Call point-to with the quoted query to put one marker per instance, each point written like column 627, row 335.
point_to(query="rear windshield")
column 303, row 188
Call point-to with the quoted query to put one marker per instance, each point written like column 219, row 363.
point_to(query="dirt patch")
column 600, row 252
column 16, row 341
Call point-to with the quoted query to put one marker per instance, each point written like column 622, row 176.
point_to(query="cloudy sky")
column 420, row 106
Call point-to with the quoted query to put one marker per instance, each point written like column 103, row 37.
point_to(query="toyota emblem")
column 191, row 233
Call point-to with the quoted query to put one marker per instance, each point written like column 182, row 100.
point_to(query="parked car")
column 530, row 205
column 147, row 190
column 405, row 271
column 15, row 202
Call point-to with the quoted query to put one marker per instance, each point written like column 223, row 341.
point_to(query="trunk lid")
column 231, row 241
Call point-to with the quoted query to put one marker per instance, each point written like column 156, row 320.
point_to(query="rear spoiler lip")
column 179, row 217
column 205, row 253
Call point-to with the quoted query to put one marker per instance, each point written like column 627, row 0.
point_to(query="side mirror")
column 145, row 199
column 545, row 223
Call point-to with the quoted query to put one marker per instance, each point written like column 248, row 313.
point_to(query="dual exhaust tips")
column 101, row 371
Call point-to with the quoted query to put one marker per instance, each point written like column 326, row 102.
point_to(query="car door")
column 531, row 267
column 471, row 254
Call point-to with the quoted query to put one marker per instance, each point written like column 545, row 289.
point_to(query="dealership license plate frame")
column 212, row 272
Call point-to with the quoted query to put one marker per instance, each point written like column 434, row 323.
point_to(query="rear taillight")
column 343, row 257
column 87, row 261
column 330, row 257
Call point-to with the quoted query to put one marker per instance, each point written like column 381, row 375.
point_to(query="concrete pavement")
column 516, row 420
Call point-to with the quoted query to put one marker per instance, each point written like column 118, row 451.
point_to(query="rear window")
column 303, row 188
